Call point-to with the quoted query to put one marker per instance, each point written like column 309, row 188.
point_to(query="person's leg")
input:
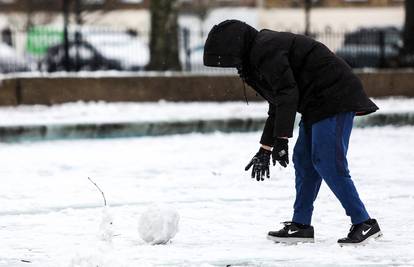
column 307, row 179
column 330, row 139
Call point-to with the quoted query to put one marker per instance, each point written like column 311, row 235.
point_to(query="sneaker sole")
column 291, row 240
column 374, row 236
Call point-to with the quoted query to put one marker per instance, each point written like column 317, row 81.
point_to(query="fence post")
column 78, row 34
column 65, row 32
column 187, row 51
column 382, row 48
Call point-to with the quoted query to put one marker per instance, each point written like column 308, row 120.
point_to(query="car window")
column 84, row 52
column 392, row 38
column 372, row 37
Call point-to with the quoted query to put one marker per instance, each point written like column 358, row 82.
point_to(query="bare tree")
column 38, row 11
column 201, row 9
column 164, row 35
column 308, row 7
column 409, row 27
column 29, row 14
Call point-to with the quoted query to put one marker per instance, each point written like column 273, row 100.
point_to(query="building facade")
column 334, row 3
column 187, row 5
column 55, row 5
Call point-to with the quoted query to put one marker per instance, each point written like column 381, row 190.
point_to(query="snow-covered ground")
column 100, row 112
column 50, row 213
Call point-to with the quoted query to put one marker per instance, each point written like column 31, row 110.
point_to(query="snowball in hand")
column 158, row 224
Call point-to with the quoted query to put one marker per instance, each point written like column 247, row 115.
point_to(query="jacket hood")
column 228, row 43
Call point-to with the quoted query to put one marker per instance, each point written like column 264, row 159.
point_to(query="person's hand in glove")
column 260, row 163
column 280, row 152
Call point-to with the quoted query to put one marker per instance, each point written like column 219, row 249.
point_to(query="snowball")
column 158, row 224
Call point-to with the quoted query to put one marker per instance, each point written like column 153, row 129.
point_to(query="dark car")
column 371, row 47
column 82, row 56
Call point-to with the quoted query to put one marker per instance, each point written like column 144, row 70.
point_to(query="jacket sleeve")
column 267, row 135
column 278, row 73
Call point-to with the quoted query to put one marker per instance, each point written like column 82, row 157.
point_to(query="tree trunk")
column 308, row 6
column 164, row 47
column 29, row 14
column 409, row 27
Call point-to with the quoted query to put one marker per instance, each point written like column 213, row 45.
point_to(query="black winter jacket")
column 294, row 73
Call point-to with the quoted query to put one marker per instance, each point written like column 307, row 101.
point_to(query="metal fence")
column 95, row 49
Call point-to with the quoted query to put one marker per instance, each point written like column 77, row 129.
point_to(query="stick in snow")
column 103, row 195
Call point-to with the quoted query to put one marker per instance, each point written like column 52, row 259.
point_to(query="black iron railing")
column 95, row 49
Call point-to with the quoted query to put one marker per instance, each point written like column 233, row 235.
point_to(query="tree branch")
column 103, row 195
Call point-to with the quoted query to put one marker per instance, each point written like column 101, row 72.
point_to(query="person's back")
column 326, row 83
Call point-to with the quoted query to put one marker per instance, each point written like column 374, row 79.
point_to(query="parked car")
column 82, row 56
column 10, row 61
column 100, row 50
column 371, row 47
column 126, row 47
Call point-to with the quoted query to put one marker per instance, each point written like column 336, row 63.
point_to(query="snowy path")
column 50, row 213
column 101, row 112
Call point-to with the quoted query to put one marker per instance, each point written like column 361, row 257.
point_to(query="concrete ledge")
column 388, row 83
column 130, row 87
column 139, row 129
column 8, row 92
column 48, row 91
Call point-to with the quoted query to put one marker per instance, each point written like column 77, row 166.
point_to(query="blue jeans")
column 320, row 153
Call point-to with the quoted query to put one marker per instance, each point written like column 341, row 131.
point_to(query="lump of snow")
column 106, row 227
column 158, row 224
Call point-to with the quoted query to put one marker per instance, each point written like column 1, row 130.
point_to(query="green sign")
column 39, row 39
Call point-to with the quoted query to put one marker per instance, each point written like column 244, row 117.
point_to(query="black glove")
column 280, row 152
column 260, row 163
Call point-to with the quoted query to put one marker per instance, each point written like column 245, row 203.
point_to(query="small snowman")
column 106, row 228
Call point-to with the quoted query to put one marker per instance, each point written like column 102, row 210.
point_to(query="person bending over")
column 295, row 73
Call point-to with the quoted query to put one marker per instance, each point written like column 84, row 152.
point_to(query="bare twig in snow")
column 103, row 195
